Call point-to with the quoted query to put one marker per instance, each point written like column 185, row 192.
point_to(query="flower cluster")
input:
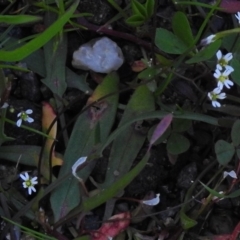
column 223, row 70
column 221, row 74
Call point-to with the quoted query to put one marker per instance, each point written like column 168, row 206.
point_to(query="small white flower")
column 216, row 94
column 153, row 201
column 29, row 182
column 223, row 60
column 223, row 78
column 238, row 17
column 208, row 40
column 231, row 174
column 75, row 166
column 24, row 117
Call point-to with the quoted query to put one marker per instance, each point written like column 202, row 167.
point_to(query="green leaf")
column 186, row 221
column 25, row 50
column 182, row 29
column 55, row 54
column 234, row 194
column 36, row 63
column 235, row 133
column 205, row 54
column 19, row 19
column 168, row 42
column 135, row 20
column 98, row 118
column 128, row 143
column 138, row 8
column 235, row 63
column 177, row 144
column 181, row 125
column 149, row 73
column 149, row 6
column 213, row 192
column 224, row 152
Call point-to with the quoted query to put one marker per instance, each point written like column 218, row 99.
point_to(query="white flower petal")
column 208, row 40
column 219, row 54
column 30, row 190
column 210, row 96
column 220, row 85
column 19, row 114
column 231, row 174
column 216, row 104
column 29, row 111
column 219, row 67
column 222, row 96
column 33, row 188
column 78, row 163
column 229, row 67
column 24, row 176
column 34, row 181
column 216, row 90
column 228, row 57
column 228, row 83
column 19, row 122
column 30, row 120
column 24, row 185
column 152, row 202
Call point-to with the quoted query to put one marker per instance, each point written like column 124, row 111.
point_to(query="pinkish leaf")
column 116, row 225
column 160, row 129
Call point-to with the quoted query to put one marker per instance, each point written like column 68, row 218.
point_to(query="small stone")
column 99, row 55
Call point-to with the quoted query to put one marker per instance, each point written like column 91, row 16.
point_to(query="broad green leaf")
column 186, row 221
column 35, row 63
column 25, row 50
column 182, row 29
column 168, row 42
column 235, row 133
column 235, row 63
column 19, row 19
column 177, row 144
column 127, row 145
column 229, row 41
column 224, row 152
column 181, row 125
column 206, row 53
column 98, row 118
